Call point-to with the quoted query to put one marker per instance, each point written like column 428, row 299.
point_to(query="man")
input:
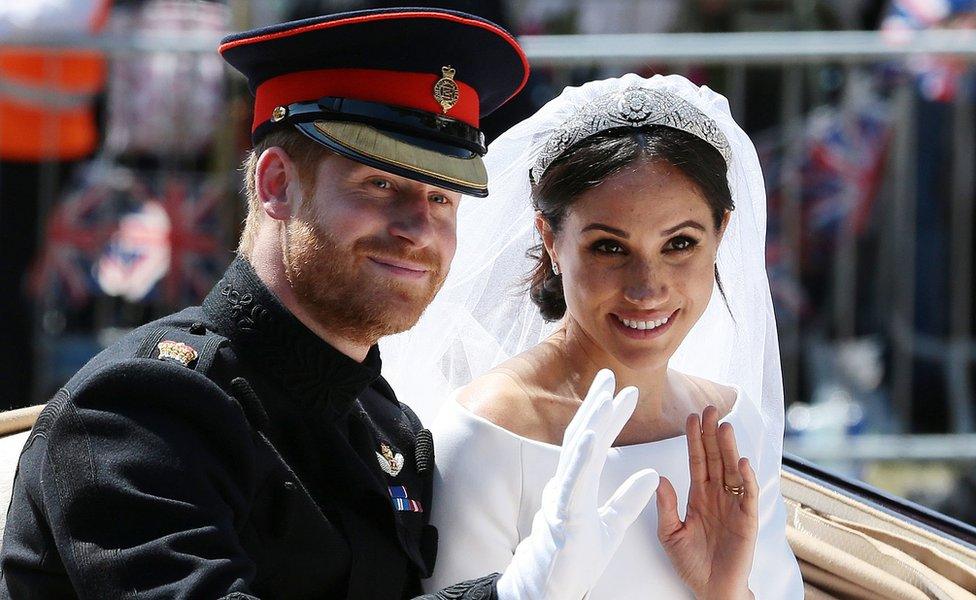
column 249, row 447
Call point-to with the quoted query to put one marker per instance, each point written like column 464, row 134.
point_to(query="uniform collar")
column 269, row 335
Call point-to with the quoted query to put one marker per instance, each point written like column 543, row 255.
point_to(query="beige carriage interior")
column 852, row 547
column 849, row 546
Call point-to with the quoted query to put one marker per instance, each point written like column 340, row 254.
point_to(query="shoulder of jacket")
column 194, row 347
column 184, row 338
column 146, row 393
column 167, row 365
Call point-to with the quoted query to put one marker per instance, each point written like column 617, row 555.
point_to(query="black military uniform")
column 226, row 451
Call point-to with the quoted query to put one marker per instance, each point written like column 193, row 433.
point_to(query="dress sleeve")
column 477, row 493
column 775, row 572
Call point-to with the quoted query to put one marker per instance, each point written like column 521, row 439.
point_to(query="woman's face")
column 637, row 256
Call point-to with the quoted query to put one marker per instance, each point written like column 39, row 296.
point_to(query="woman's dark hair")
column 598, row 158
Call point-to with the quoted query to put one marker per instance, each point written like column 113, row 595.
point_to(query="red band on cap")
column 396, row 88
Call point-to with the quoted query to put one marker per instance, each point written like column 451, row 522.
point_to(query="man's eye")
column 440, row 199
column 383, row 184
column 681, row 243
column 608, row 247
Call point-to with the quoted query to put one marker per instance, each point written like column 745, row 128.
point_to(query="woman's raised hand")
column 573, row 537
column 712, row 549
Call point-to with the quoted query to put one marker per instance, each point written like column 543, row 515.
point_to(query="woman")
column 631, row 185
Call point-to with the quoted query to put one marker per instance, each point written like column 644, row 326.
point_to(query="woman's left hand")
column 712, row 549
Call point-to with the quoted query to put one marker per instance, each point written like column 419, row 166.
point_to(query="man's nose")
column 645, row 283
column 411, row 219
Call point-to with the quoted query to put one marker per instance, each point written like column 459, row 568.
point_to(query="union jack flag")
column 839, row 170
column 938, row 77
column 82, row 227
column 198, row 238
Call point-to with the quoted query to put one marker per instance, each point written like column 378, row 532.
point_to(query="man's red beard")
column 347, row 297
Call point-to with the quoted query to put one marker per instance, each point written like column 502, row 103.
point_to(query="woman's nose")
column 644, row 284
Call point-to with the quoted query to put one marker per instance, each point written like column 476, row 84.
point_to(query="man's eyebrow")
column 607, row 228
column 679, row 226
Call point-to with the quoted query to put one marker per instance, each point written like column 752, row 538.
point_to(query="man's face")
column 366, row 251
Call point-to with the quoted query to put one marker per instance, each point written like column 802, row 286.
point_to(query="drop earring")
column 555, row 269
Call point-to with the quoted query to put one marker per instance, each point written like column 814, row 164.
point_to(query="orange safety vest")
column 46, row 94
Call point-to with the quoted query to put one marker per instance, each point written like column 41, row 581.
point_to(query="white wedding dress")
column 488, row 480
column 488, row 484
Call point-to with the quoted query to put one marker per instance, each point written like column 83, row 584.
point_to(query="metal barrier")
column 799, row 60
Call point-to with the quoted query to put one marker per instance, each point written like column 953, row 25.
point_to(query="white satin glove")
column 573, row 538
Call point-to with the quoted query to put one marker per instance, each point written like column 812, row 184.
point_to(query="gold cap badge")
column 390, row 461
column 446, row 91
column 177, row 351
column 279, row 113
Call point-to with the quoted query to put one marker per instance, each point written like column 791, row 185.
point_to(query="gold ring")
column 738, row 490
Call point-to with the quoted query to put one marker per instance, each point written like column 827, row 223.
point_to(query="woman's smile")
column 644, row 328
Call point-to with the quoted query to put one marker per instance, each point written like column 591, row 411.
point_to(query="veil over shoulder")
column 483, row 314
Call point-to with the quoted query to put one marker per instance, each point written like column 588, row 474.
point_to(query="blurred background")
column 121, row 136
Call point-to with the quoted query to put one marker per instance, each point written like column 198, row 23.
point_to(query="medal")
column 401, row 500
column 391, row 462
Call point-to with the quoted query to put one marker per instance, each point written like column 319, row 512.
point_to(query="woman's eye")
column 681, row 243
column 608, row 247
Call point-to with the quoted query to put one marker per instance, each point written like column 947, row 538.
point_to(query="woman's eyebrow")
column 607, row 228
column 679, row 226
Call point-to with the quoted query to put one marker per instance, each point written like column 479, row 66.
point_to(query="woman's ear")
column 548, row 238
column 724, row 225
column 277, row 184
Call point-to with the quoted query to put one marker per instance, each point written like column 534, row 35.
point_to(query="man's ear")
column 277, row 184
column 548, row 238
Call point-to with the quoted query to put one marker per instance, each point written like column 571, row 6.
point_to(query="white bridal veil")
column 483, row 314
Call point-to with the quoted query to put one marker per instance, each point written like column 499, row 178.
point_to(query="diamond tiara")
column 632, row 107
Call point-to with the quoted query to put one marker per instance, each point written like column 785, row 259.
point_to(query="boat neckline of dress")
column 733, row 412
